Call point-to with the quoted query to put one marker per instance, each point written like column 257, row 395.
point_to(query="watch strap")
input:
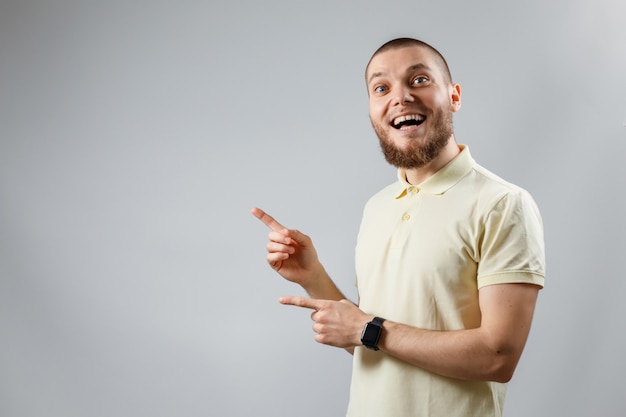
column 378, row 321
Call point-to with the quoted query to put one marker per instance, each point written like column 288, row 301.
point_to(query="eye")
column 420, row 80
column 380, row 89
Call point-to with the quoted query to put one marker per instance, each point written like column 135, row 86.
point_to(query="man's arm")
column 489, row 353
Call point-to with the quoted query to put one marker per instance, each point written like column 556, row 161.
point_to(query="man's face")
column 411, row 102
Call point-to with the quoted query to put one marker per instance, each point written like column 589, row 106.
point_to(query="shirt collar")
column 442, row 180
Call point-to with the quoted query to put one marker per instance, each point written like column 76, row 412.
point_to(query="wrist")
column 320, row 285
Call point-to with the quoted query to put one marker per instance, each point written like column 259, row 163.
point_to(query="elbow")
column 501, row 358
column 502, row 367
column 503, row 376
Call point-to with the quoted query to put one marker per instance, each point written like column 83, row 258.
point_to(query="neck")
column 448, row 153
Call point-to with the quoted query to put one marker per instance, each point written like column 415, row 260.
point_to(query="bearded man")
column 449, row 259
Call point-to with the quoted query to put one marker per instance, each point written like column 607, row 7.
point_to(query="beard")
column 417, row 155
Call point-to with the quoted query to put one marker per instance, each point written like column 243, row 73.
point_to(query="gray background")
column 135, row 136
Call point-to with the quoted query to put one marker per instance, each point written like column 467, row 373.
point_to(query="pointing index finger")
column 268, row 220
column 304, row 302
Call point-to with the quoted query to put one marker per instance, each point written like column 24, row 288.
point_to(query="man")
column 449, row 259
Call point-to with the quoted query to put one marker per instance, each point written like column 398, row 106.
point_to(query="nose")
column 402, row 95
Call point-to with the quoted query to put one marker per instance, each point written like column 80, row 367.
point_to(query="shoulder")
column 493, row 190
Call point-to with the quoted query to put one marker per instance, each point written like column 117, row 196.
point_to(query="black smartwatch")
column 371, row 333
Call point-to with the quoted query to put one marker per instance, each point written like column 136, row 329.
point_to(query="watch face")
column 370, row 335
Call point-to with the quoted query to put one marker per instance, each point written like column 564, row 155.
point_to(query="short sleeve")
column 512, row 244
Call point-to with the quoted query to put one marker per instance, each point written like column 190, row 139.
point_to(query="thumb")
column 300, row 238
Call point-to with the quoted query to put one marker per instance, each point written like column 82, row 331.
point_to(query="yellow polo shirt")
column 422, row 253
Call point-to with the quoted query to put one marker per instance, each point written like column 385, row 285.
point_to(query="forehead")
column 398, row 61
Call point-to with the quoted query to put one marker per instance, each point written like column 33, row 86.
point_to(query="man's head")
column 412, row 99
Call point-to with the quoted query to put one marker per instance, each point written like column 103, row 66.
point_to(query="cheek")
column 440, row 101
column 376, row 112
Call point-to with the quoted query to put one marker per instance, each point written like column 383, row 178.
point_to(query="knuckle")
column 321, row 317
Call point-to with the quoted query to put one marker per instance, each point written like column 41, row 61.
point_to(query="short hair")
column 406, row 42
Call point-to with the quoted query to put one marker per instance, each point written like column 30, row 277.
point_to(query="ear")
column 455, row 97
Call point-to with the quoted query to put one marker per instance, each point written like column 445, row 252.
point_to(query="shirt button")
column 413, row 190
column 406, row 216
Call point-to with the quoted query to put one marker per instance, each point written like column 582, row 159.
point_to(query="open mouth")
column 407, row 121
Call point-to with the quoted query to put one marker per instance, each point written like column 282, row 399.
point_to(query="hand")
column 337, row 323
column 290, row 253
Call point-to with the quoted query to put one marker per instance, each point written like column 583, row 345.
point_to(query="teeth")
column 401, row 119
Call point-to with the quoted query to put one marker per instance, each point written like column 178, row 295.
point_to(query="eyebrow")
column 412, row 68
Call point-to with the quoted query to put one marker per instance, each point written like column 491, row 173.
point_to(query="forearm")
column 465, row 354
column 489, row 352
column 321, row 286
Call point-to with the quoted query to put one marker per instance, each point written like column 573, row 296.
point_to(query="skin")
column 408, row 81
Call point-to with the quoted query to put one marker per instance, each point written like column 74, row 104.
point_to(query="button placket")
column 411, row 191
